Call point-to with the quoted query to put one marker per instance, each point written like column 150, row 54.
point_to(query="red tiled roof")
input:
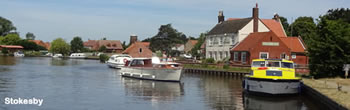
column 41, row 43
column 274, row 26
column 294, row 43
column 193, row 42
column 251, row 41
column 133, row 49
column 111, row 44
column 203, row 45
column 12, row 46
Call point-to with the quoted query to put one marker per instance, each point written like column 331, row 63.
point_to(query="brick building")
column 139, row 49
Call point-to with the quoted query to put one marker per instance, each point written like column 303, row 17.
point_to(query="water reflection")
column 8, row 60
column 152, row 90
column 252, row 102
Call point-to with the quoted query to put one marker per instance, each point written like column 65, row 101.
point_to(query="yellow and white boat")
column 272, row 76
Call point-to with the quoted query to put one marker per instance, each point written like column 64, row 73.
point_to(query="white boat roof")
column 120, row 55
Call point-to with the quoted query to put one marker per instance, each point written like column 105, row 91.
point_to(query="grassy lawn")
column 218, row 68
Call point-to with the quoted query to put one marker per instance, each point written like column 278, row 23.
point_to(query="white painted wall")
column 246, row 30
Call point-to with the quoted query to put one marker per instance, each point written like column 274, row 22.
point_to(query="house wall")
column 215, row 46
column 247, row 29
column 135, row 52
column 301, row 59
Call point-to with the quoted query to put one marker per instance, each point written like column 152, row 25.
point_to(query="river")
column 76, row 84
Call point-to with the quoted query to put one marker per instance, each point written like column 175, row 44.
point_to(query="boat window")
column 258, row 64
column 273, row 64
column 287, row 65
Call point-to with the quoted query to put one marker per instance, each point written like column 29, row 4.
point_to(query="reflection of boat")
column 272, row 76
column 152, row 69
column 152, row 90
column 77, row 55
column 57, row 56
column 18, row 54
column 118, row 61
column 272, row 103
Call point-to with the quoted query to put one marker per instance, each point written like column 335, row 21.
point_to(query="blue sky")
column 118, row 19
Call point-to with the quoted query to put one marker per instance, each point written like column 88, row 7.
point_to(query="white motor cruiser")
column 152, row 69
column 118, row 60
column 78, row 55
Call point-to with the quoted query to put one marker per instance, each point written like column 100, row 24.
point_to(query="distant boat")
column 57, row 56
column 18, row 54
column 272, row 76
column 152, row 69
column 78, row 55
column 118, row 60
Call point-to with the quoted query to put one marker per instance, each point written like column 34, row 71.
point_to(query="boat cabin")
column 148, row 62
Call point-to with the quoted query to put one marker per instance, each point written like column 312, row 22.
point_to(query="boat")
column 272, row 76
column 78, row 55
column 118, row 60
column 18, row 54
column 57, row 56
column 152, row 69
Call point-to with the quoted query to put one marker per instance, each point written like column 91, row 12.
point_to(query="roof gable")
column 274, row 26
column 229, row 26
column 294, row 43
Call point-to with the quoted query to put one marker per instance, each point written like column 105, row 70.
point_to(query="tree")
column 304, row 27
column 335, row 14
column 27, row 45
column 166, row 38
column 6, row 26
column 102, row 48
column 10, row 39
column 77, row 44
column 30, row 36
column 60, row 46
column 330, row 49
column 194, row 50
column 285, row 25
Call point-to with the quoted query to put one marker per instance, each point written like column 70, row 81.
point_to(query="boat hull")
column 115, row 65
column 270, row 86
column 150, row 73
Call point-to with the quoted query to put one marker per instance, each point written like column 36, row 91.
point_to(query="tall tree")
column 166, row 38
column 304, row 27
column 330, row 49
column 30, row 36
column 77, row 44
column 10, row 39
column 6, row 26
column 194, row 50
column 339, row 13
column 60, row 46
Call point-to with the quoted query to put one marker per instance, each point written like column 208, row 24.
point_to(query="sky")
column 118, row 19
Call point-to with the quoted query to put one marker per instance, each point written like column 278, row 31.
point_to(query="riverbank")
column 337, row 89
column 216, row 68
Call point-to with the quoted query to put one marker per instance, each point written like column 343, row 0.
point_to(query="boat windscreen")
column 287, row 65
column 273, row 64
column 258, row 64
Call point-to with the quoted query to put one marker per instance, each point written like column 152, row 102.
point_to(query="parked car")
column 188, row 56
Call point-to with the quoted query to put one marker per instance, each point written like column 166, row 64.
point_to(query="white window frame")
column 221, row 55
column 267, row 54
column 294, row 56
column 235, row 56
column 244, row 57
column 283, row 54
column 221, row 42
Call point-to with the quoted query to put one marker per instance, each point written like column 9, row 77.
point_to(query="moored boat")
column 272, row 76
column 57, row 56
column 152, row 69
column 118, row 60
column 18, row 54
column 78, row 55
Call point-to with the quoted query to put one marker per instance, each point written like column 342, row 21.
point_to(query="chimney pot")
column 221, row 17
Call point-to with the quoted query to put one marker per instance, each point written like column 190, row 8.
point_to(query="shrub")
column 209, row 60
column 4, row 51
column 226, row 66
column 103, row 58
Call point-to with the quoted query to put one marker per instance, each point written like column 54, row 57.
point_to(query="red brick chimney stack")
column 255, row 18
column 221, row 17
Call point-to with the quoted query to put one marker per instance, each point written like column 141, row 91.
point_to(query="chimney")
column 255, row 18
column 276, row 17
column 133, row 38
column 221, row 17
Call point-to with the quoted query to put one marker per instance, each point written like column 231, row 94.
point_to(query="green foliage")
column 285, row 25
column 166, row 38
column 27, row 45
column 6, row 26
column 4, row 51
column 304, row 27
column 329, row 50
column 209, row 60
column 102, row 48
column 194, row 50
column 159, row 53
column 10, row 39
column 60, row 46
column 226, row 66
column 32, row 53
column 103, row 58
column 336, row 14
column 30, row 36
column 77, row 44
